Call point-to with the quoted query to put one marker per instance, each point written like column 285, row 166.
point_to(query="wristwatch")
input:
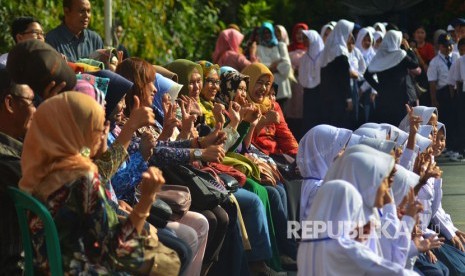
column 198, row 154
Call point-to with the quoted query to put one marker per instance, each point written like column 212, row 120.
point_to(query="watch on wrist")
column 197, row 154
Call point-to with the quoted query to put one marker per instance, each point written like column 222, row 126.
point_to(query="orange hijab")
column 60, row 142
column 255, row 71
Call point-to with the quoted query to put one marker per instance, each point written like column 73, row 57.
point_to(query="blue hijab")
column 273, row 41
column 164, row 85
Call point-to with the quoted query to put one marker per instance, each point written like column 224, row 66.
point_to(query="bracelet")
column 141, row 215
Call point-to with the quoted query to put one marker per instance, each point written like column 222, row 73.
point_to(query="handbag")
column 230, row 170
column 160, row 213
column 229, row 182
column 206, row 192
column 178, row 198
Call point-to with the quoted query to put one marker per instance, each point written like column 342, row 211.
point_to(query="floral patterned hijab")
column 229, row 83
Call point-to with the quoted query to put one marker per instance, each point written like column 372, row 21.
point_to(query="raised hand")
column 152, row 180
column 146, row 145
column 140, row 116
column 53, row 89
column 213, row 153
column 218, row 110
column 216, row 137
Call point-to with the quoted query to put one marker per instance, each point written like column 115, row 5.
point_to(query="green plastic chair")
column 25, row 202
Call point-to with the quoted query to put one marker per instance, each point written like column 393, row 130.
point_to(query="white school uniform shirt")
column 458, row 72
column 430, row 195
column 317, row 151
column 309, row 69
column 438, row 70
column 338, row 200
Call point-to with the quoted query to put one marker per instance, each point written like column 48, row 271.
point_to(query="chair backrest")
column 25, row 202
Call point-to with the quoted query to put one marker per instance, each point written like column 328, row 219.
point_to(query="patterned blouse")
column 93, row 239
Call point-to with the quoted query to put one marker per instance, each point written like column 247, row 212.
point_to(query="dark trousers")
column 448, row 115
column 312, row 108
column 460, row 121
column 334, row 113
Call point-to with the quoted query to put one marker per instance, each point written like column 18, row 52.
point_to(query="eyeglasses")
column 32, row 100
column 35, row 33
column 212, row 82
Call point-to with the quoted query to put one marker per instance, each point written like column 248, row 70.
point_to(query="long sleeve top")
column 276, row 138
column 335, row 80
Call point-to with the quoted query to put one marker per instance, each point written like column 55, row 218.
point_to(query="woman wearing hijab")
column 335, row 76
column 317, row 151
column 275, row 56
column 227, row 50
column 334, row 251
column 58, row 168
column 272, row 134
column 281, row 34
column 309, row 78
column 364, row 43
column 391, row 65
column 293, row 109
column 326, row 30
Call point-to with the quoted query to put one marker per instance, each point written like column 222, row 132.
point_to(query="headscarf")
column 255, row 71
column 382, row 145
column 365, row 168
column 318, row 148
column 425, row 130
column 226, row 69
column 336, row 44
column 441, row 125
column 228, row 40
column 397, row 135
column 313, row 52
column 273, row 41
column 60, row 142
column 117, row 89
column 403, row 181
column 354, row 140
column 206, row 105
column 324, row 28
column 317, row 151
column 229, row 83
column 184, row 68
column 166, row 73
column 377, row 126
column 377, row 35
column 284, row 35
column 425, row 113
column 369, row 53
column 337, row 201
column 389, row 54
column 371, row 132
column 86, row 88
column 164, row 86
column 294, row 44
column 381, row 26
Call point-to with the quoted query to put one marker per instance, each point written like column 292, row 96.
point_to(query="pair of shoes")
column 288, row 263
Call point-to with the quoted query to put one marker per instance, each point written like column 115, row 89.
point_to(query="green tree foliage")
column 156, row 30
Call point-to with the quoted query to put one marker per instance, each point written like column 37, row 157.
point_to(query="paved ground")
column 453, row 187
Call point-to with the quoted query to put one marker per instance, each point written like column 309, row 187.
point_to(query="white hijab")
column 425, row 113
column 337, row 201
column 389, row 53
column 325, row 27
column 403, row 181
column 365, row 168
column 441, row 125
column 371, row 132
column 397, row 135
column 354, row 140
column 377, row 126
column 385, row 146
column 318, row 148
column 336, row 44
column 317, row 151
column 369, row 53
column 313, row 52
column 381, row 26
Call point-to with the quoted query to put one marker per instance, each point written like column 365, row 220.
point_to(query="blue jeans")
column 253, row 213
column 278, row 203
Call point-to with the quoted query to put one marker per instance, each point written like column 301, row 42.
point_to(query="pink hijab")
column 228, row 40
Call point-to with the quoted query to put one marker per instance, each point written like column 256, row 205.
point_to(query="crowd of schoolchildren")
column 108, row 144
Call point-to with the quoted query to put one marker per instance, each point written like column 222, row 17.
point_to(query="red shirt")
column 426, row 52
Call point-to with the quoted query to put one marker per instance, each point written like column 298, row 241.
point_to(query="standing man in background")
column 72, row 38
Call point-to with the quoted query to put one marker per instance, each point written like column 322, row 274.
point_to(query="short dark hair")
column 20, row 25
column 67, row 4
